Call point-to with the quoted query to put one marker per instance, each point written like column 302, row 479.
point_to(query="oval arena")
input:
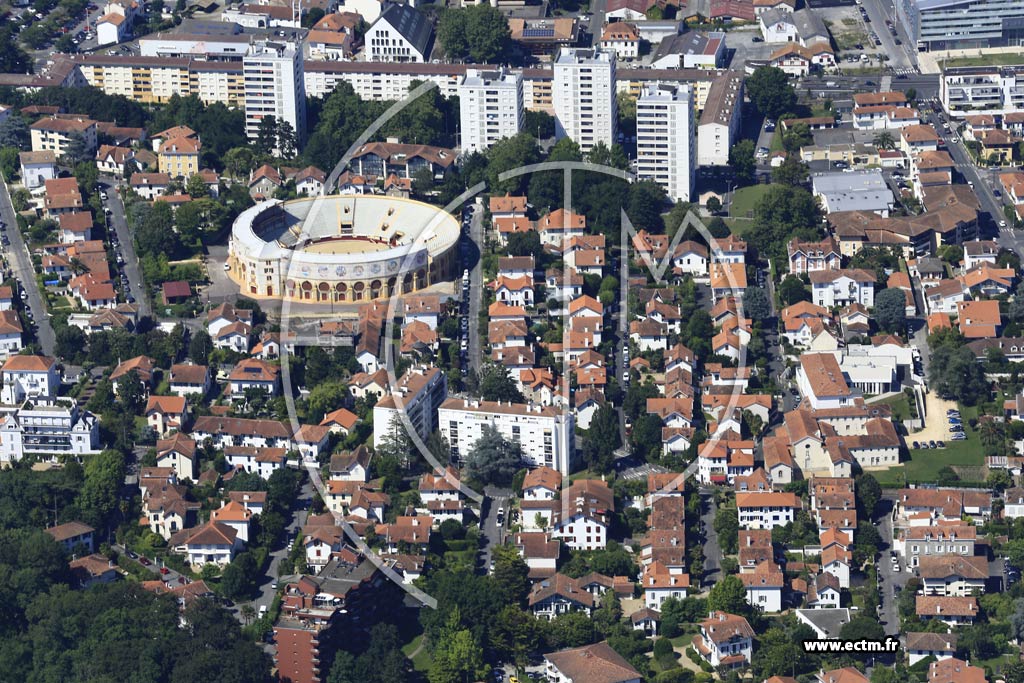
column 341, row 248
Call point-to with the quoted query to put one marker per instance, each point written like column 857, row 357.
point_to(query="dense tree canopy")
column 771, row 92
column 478, row 33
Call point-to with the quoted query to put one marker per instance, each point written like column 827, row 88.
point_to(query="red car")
column 165, row 570
column 145, row 562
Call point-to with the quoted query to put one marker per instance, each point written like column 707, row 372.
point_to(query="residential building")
column 417, row 395
column 400, row 34
column 34, row 378
column 766, row 510
column 545, row 433
column 57, row 135
column 725, row 640
column 857, row 191
column 584, row 97
column 72, row 534
column 842, row 287
column 597, row 663
column 720, row 119
column 37, row 167
column 666, row 138
column 275, row 86
column 490, row 108
column 51, row 430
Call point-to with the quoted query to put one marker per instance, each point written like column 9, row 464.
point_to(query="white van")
column 263, row 611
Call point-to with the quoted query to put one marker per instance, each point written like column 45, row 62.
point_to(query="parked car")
column 940, row 444
column 144, row 561
column 165, row 571
column 915, row 445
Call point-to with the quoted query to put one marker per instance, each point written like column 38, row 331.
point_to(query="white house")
column 583, row 513
column 766, row 510
column 29, row 377
column 778, row 26
column 261, row 461
column 37, row 168
column 597, row 662
column 212, row 543
column 764, row 587
column 842, row 287
column 112, row 28
column 725, row 640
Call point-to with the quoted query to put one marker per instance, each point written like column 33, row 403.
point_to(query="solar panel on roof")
column 538, row 33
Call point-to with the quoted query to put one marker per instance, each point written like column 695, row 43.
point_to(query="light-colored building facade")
column 666, row 138
column 584, row 97
column 490, row 108
column 545, row 433
column 275, row 86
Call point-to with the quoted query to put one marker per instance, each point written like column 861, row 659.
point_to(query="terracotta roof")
column 68, row 530
column 722, row 627
column 24, row 363
column 936, row 605
column 943, row 566
column 597, row 663
column 187, row 373
column 168, row 405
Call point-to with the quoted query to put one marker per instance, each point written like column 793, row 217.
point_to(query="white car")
column 1002, row 224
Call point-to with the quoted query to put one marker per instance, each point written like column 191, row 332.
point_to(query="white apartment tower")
column 490, row 107
column 545, row 433
column 275, row 85
column 665, row 138
column 584, row 96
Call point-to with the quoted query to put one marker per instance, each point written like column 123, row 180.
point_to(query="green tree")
column 729, row 595
column 783, row 213
column 868, row 493
column 497, row 385
column 493, row 458
column 884, row 140
column 131, row 393
column 713, row 204
column 953, row 372
column 790, row 172
column 238, row 161
column 200, row 347
column 14, row 130
column 479, row 34
column 756, row 305
column 511, row 575
column 458, row 658
column 266, row 135
column 154, row 230
column 602, row 438
column 104, row 476
column 792, row 290
column 741, row 159
column 891, row 310
column 727, row 527
column 771, row 92
column 324, row 398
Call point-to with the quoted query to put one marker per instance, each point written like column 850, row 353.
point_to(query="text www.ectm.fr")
column 890, row 644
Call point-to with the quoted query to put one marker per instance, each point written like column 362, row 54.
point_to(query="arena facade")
column 341, row 248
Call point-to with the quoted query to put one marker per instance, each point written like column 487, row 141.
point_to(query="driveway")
column 21, row 263
column 126, row 247
column 171, row 578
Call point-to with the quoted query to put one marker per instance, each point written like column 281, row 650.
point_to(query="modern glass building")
column 957, row 24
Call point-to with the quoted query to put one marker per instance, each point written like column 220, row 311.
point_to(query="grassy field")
column 421, row 659
column 924, row 465
column 744, row 199
column 739, row 226
column 987, row 60
column 900, row 407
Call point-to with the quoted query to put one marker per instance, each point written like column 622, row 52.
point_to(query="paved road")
column 476, row 277
column 888, row 578
column 21, row 263
column 597, row 10
column 126, row 247
column 494, row 533
column 171, row 578
column 926, row 85
column 300, row 510
column 712, row 551
column 879, row 11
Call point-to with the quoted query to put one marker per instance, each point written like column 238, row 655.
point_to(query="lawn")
column 421, row 658
column 745, row 198
column 924, row 465
column 900, row 407
column 1007, row 58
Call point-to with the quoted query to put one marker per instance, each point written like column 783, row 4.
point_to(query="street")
column 888, row 579
column 126, row 247
column 879, row 11
column 712, row 551
column 21, row 264
column 476, row 234
column 494, row 533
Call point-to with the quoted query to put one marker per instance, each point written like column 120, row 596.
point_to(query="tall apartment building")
column 666, row 149
column 418, row 394
column 720, row 119
column 584, row 96
column 545, row 433
column 993, row 90
column 490, row 107
column 275, row 86
column 962, row 24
